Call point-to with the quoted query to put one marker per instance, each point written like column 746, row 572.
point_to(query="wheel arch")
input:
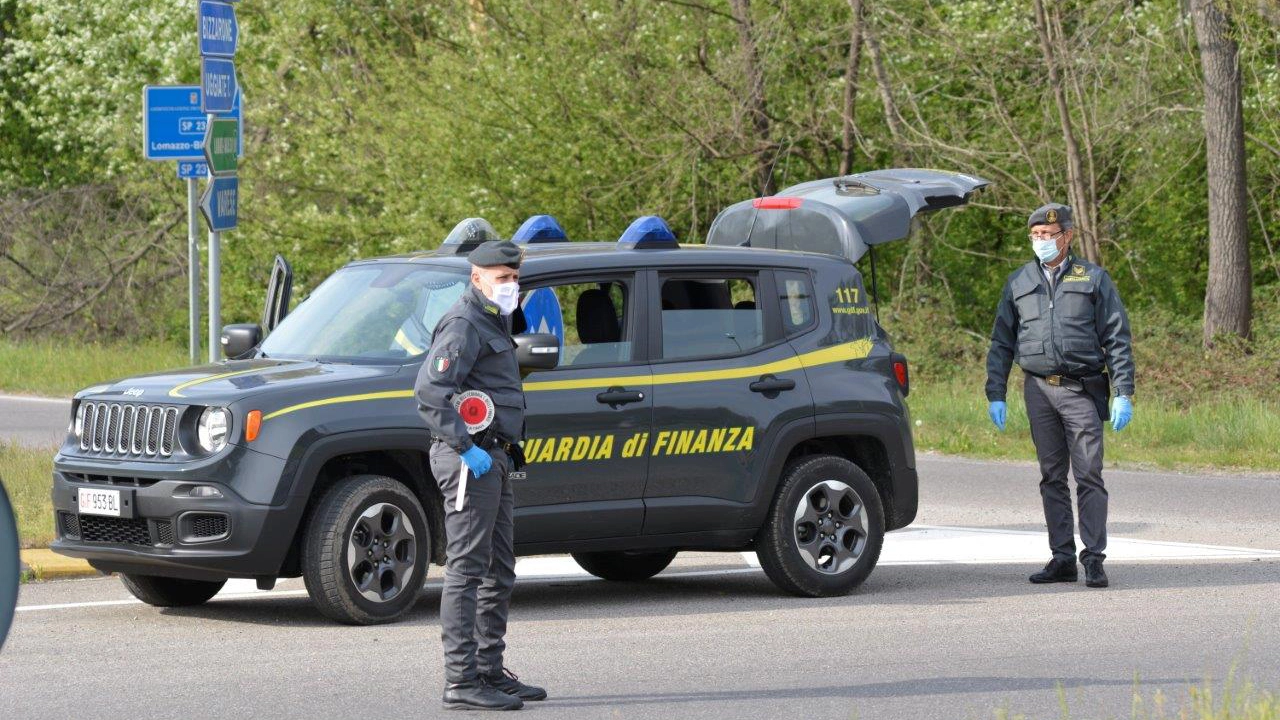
column 870, row 441
column 399, row 454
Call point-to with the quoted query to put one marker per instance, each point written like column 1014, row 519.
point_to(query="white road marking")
column 917, row 545
column 939, row 545
column 31, row 398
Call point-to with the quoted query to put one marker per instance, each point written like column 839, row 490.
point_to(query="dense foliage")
column 375, row 125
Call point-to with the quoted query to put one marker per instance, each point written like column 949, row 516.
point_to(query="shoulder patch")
column 1077, row 269
column 440, row 364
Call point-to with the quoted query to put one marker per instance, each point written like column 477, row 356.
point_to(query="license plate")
column 93, row 501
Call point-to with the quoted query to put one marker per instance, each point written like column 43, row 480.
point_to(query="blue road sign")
column 219, row 203
column 542, row 313
column 218, row 79
column 173, row 125
column 216, row 26
column 189, row 169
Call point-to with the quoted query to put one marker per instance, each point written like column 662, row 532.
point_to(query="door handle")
column 770, row 384
column 618, row 396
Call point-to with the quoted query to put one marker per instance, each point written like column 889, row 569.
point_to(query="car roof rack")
column 648, row 232
column 539, row 229
column 467, row 236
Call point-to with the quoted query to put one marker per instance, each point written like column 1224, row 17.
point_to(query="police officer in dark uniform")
column 1061, row 319
column 472, row 349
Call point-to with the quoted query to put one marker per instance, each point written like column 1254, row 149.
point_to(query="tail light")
column 901, row 372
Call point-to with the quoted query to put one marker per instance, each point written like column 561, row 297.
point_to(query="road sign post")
column 193, row 269
column 219, row 34
column 218, row 83
column 220, row 145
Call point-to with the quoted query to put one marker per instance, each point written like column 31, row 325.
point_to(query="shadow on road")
column 897, row 689
column 888, row 586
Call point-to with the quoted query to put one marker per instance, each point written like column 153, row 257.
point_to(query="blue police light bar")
column 649, row 232
column 539, row 229
column 467, row 236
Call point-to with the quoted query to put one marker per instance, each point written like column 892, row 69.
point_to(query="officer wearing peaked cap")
column 1061, row 319
column 472, row 349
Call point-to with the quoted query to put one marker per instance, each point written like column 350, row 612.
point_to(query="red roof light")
column 776, row 202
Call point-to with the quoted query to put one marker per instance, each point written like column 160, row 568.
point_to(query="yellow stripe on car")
column 844, row 352
column 177, row 389
column 385, row 395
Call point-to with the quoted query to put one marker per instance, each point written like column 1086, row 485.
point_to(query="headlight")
column 213, row 428
column 78, row 424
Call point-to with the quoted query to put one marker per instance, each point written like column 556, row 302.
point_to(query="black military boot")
column 1094, row 575
column 509, row 683
column 1057, row 571
column 478, row 695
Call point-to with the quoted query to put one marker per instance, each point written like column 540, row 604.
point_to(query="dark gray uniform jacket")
column 471, row 349
column 1076, row 329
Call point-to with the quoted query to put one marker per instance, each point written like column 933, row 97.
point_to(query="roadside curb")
column 48, row 565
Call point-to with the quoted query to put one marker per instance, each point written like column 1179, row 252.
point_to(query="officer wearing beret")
column 472, row 349
column 1061, row 319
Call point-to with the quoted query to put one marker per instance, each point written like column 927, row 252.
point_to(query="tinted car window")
column 590, row 319
column 795, row 299
column 708, row 317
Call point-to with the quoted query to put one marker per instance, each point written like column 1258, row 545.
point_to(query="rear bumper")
column 196, row 538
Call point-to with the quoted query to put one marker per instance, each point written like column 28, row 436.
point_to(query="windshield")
column 382, row 312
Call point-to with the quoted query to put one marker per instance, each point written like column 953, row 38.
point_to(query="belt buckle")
column 1054, row 380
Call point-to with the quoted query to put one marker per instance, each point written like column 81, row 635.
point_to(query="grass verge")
column 1236, row 700
column 60, row 367
column 27, row 477
column 1241, row 433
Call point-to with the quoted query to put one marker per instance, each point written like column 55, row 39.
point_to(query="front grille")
column 70, row 525
column 121, row 480
column 164, row 532
column 120, row 429
column 124, row 531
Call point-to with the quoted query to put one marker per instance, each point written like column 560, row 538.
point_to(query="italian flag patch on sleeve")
column 440, row 364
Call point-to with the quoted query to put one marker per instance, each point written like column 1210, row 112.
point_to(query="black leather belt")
column 487, row 443
column 1069, row 382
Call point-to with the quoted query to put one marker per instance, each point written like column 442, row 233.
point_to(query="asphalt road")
column 33, row 422
column 946, row 627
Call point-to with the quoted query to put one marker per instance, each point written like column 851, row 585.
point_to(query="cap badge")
column 1051, row 217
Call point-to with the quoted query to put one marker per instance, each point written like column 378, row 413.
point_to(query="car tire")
column 381, row 517
column 624, row 566
column 824, row 532
column 170, row 592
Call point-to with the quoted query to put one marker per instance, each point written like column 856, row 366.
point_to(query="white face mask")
column 1046, row 250
column 506, row 296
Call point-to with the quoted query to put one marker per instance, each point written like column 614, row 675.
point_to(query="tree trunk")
column 851, row 72
column 767, row 152
column 1228, row 294
column 891, row 116
column 1078, row 195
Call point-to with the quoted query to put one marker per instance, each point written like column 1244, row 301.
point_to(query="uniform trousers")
column 1067, row 433
column 480, row 564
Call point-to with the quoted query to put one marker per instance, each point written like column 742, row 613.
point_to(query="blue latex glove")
column 998, row 411
column 1121, row 412
column 478, row 460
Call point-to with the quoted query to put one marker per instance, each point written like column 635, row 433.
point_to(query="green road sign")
column 220, row 145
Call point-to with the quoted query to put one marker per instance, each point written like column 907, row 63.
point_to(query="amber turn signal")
column 252, row 424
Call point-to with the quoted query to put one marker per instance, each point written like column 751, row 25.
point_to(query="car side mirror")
column 537, row 351
column 239, row 341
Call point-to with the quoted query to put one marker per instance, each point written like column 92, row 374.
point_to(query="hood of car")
column 230, row 381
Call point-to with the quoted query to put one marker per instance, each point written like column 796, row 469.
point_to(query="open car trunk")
column 843, row 215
